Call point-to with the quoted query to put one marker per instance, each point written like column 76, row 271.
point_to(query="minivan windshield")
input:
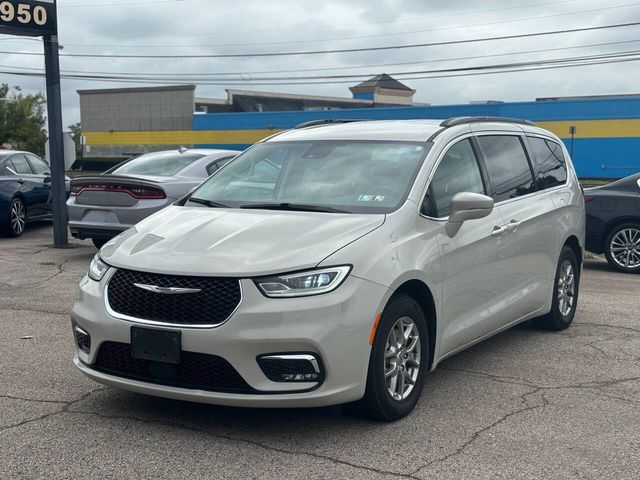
column 330, row 176
column 163, row 164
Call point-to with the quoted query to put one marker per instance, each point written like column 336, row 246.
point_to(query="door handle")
column 512, row 226
column 498, row 231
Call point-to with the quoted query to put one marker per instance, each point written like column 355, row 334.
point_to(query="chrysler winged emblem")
column 166, row 290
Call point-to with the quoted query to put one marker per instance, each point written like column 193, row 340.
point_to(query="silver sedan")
column 102, row 206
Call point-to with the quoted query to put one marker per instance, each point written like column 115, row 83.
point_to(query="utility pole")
column 35, row 18
column 56, row 142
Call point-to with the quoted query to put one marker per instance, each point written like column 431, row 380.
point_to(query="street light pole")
column 56, row 149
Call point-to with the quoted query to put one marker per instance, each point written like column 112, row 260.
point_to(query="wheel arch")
column 421, row 293
column 574, row 244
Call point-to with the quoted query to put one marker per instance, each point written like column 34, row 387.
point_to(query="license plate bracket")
column 156, row 345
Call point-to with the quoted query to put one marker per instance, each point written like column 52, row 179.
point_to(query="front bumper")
column 334, row 326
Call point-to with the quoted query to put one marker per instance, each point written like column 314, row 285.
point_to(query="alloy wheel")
column 566, row 288
column 625, row 248
column 402, row 358
column 18, row 217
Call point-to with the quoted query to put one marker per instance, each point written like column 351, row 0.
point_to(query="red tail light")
column 138, row 192
column 588, row 199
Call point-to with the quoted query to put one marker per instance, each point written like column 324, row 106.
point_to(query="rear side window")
column 164, row 164
column 508, row 166
column 19, row 164
column 549, row 163
column 457, row 172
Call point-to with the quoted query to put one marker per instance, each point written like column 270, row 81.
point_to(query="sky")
column 197, row 27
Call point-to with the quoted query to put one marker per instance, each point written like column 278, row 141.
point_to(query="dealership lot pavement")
column 524, row 404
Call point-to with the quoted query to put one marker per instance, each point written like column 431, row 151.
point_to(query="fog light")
column 83, row 339
column 291, row 367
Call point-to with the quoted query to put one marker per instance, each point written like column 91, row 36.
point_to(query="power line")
column 457, row 72
column 399, row 75
column 374, row 65
column 360, row 37
column 344, row 50
column 382, row 22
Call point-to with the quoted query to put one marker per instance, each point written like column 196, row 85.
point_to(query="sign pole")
column 56, row 149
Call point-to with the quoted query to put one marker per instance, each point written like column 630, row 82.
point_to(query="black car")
column 25, row 190
column 613, row 222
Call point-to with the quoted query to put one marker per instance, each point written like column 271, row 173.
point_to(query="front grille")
column 195, row 370
column 212, row 305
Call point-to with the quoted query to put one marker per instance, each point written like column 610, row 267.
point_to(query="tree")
column 22, row 120
column 76, row 131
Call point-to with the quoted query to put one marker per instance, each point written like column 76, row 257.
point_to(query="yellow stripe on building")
column 594, row 128
column 176, row 137
column 584, row 129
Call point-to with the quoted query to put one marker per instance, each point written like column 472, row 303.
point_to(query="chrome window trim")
column 109, row 275
column 309, row 358
column 496, row 204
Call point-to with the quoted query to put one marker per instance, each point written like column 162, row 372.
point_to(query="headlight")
column 313, row 282
column 97, row 268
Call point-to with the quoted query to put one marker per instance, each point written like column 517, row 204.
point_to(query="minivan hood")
column 233, row 242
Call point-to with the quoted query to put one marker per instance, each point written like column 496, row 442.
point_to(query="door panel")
column 529, row 245
column 31, row 187
column 473, row 284
column 43, row 174
column 475, row 287
column 527, row 238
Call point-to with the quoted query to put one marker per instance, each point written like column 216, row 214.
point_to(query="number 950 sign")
column 28, row 17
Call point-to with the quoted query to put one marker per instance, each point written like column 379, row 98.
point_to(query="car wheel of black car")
column 17, row 218
column 622, row 248
column 565, row 293
column 398, row 363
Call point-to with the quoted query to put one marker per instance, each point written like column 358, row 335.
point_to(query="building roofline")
column 168, row 88
column 295, row 96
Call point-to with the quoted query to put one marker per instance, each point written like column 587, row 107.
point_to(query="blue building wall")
column 606, row 144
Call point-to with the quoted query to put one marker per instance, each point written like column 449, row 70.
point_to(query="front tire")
column 565, row 293
column 622, row 248
column 399, row 361
column 17, row 218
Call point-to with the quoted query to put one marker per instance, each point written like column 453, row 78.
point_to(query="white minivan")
column 338, row 262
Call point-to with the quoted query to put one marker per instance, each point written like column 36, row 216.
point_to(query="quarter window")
column 508, row 166
column 550, row 166
column 40, row 167
column 457, row 172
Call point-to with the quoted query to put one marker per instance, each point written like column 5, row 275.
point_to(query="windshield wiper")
column 207, row 203
column 294, row 207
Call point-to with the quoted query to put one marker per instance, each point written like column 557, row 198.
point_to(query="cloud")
column 205, row 27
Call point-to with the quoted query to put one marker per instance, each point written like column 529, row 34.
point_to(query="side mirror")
column 467, row 206
column 47, row 179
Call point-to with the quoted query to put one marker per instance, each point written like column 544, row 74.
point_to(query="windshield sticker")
column 371, row 198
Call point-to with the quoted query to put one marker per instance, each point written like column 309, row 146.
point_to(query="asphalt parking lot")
column 524, row 404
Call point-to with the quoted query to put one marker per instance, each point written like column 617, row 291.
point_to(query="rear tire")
column 622, row 248
column 99, row 242
column 565, row 293
column 17, row 218
column 397, row 366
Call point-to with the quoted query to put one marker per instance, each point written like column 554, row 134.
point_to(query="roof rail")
column 453, row 121
column 327, row 121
